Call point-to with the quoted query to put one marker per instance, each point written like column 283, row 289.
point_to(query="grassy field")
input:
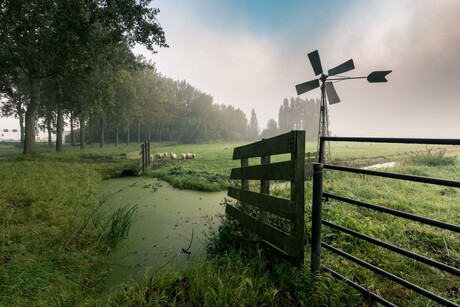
column 53, row 242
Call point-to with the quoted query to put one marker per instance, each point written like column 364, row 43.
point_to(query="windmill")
column 327, row 88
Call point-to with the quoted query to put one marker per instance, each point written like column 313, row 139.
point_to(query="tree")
column 253, row 128
column 271, row 130
column 43, row 37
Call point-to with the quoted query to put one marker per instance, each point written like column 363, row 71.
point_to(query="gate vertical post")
column 298, row 199
column 149, row 152
column 264, row 188
column 316, row 217
column 245, row 186
column 143, row 157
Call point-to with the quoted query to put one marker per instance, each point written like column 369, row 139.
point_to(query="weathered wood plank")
column 275, row 205
column 298, row 197
column 274, row 236
column 245, row 186
column 275, row 171
column 284, row 143
column 264, row 189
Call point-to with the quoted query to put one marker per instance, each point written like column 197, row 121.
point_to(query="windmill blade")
column 315, row 62
column 331, row 93
column 378, row 76
column 307, row 86
column 344, row 67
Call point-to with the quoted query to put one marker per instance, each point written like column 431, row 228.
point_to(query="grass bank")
column 52, row 240
column 53, row 244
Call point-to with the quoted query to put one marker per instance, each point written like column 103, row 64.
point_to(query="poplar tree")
column 43, row 37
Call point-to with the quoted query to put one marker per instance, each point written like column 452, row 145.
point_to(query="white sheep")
column 184, row 156
column 161, row 155
column 173, row 156
column 190, row 156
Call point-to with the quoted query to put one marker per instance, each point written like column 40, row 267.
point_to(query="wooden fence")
column 290, row 244
column 144, row 155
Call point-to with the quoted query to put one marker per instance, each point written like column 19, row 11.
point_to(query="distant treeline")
column 296, row 114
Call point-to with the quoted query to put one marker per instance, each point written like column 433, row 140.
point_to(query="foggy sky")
column 251, row 54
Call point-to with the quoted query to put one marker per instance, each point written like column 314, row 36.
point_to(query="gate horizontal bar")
column 275, row 171
column 360, row 288
column 390, row 276
column 274, row 236
column 284, row 143
column 402, row 214
column 396, row 249
column 276, row 205
column 393, row 140
column 444, row 182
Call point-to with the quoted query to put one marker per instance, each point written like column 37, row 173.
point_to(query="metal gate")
column 319, row 195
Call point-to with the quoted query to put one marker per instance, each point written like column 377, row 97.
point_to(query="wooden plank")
column 274, row 236
column 284, row 143
column 246, row 207
column 298, row 197
column 264, row 189
column 279, row 206
column 276, row 171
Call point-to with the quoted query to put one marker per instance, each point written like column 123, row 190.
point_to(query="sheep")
column 161, row 155
column 184, row 156
column 173, row 156
column 190, row 156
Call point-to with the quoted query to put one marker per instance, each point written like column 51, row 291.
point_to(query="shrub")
column 430, row 157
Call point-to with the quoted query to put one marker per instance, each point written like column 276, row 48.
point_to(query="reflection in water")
column 170, row 225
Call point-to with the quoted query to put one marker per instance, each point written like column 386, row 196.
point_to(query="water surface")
column 165, row 221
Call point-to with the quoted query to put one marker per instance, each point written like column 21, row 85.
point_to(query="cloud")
column 217, row 49
column 236, row 67
column 420, row 43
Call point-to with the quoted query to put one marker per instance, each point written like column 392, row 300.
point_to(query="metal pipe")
column 405, row 215
column 390, row 276
column 444, row 182
column 394, row 140
column 360, row 288
column 316, row 217
column 428, row 261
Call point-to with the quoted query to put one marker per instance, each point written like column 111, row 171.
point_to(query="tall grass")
column 432, row 157
column 118, row 225
column 52, row 254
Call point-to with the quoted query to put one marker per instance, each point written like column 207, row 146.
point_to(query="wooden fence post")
column 298, row 198
column 246, row 207
column 142, row 158
column 264, row 188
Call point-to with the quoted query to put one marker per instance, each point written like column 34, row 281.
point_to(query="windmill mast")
column 323, row 129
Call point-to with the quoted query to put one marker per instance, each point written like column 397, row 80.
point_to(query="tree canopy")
column 40, row 39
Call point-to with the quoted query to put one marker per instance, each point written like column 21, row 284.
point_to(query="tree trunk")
column 72, row 137
column 138, row 133
column 49, row 130
column 101, row 142
column 116, row 135
column 150, row 129
column 161, row 129
column 21, row 121
column 59, row 123
column 82, row 133
column 31, row 113
column 90, row 128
